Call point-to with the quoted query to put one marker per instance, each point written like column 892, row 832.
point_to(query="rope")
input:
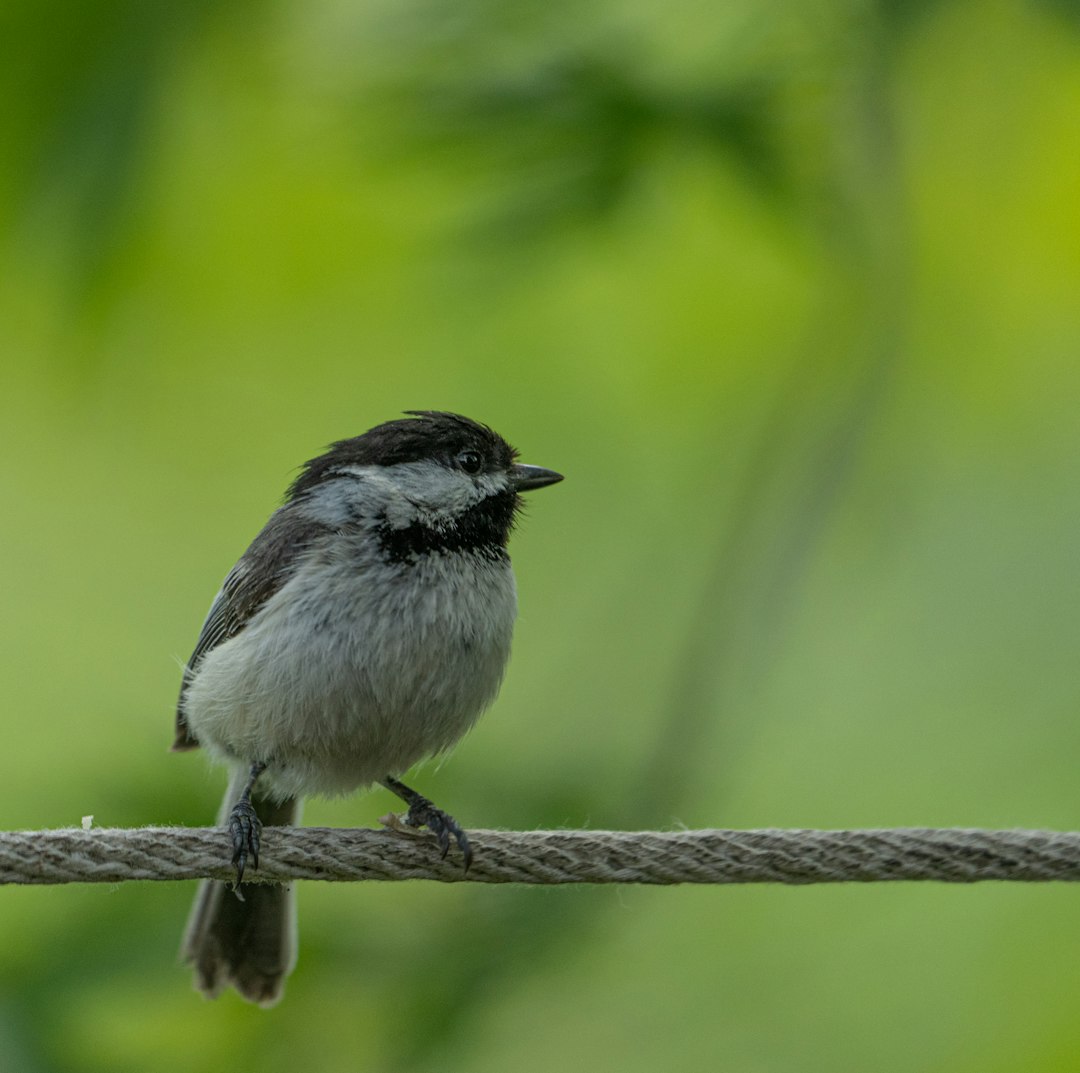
column 951, row 855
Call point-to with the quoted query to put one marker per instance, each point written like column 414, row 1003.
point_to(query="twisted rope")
column 951, row 855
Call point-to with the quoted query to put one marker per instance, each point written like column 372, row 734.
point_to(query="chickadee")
column 366, row 627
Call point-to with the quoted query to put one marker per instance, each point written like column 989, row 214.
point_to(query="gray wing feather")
column 264, row 568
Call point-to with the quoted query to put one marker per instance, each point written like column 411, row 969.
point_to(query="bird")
column 365, row 628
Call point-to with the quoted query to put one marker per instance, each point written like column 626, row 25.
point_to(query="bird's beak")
column 526, row 478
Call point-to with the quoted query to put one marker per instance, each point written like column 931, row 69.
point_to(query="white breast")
column 338, row 682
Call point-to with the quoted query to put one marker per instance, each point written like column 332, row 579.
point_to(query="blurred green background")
column 790, row 294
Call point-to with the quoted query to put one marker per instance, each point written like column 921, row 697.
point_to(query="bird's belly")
column 335, row 686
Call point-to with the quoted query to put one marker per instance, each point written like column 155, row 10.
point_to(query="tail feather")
column 250, row 943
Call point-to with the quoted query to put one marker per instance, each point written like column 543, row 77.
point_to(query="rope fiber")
column 950, row 855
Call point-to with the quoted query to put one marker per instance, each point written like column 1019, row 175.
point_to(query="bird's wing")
column 264, row 568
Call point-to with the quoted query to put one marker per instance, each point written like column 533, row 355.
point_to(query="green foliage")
column 788, row 293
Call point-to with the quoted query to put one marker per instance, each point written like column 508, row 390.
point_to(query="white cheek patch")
column 409, row 492
column 435, row 495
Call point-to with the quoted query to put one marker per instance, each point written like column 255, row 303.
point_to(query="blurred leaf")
column 83, row 92
column 568, row 139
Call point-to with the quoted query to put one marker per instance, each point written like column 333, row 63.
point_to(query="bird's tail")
column 249, row 943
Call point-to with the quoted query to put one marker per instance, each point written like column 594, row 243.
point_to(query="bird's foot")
column 422, row 813
column 245, row 829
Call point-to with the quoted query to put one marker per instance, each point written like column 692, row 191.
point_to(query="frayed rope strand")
column 949, row 855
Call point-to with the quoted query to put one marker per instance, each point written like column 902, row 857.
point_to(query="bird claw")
column 422, row 813
column 245, row 828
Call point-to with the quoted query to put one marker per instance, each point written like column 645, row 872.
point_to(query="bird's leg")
column 422, row 813
column 245, row 826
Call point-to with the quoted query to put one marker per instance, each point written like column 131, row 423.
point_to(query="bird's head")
column 431, row 477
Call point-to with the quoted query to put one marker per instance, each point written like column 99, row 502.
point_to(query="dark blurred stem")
column 808, row 450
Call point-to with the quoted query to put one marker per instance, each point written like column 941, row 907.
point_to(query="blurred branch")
column 952, row 855
column 815, row 435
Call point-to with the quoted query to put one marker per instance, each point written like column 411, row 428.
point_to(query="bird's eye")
column 470, row 461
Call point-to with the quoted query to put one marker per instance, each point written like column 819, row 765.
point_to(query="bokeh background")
column 788, row 291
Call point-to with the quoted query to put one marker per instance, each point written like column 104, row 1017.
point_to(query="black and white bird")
column 366, row 628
